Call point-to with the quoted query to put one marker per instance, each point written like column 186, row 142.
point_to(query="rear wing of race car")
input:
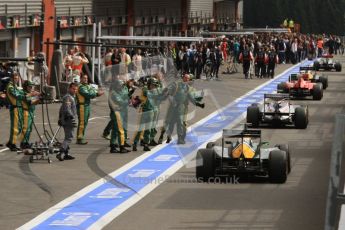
column 327, row 56
column 293, row 77
column 277, row 96
column 227, row 133
column 306, row 68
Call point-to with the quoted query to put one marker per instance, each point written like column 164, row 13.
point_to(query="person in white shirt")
column 108, row 64
column 138, row 65
column 125, row 61
column 67, row 62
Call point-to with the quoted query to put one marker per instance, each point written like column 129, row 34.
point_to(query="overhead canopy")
column 205, row 33
column 96, row 44
column 266, row 30
column 247, row 31
column 156, row 38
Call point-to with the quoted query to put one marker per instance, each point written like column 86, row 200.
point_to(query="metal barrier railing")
column 335, row 198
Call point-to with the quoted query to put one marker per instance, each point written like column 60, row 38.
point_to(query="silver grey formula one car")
column 327, row 63
column 278, row 110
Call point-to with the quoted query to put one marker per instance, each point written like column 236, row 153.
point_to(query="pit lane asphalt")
column 179, row 203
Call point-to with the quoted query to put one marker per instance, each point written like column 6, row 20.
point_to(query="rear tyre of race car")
column 210, row 145
column 338, row 67
column 317, row 92
column 278, row 166
column 301, row 118
column 324, row 81
column 205, row 169
column 285, row 148
column 317, row 65
column 253, row 116
column 281, row 88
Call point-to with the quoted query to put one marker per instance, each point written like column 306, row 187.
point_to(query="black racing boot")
column 141, row 143
column 153, row 143
column 106, row 136
column 123, row 149
column 127, row 145
column 146, row 147
column 160, row 140
column 67, row 156
column 113, row 149
column 181, row 141
column 134, row 148
column 168, row 139
column 12, row 147
column 24, row 145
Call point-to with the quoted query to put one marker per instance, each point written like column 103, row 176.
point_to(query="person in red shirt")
column 224, row 48
column 319, row 47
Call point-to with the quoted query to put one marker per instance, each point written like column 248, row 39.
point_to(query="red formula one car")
column 300, row 86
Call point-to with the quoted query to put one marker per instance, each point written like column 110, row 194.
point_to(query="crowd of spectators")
column 205, row 59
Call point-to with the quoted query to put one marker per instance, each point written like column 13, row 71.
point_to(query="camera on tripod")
column 38, row 59
column 48, row 94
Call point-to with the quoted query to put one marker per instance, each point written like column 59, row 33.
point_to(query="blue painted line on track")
column 88, row 209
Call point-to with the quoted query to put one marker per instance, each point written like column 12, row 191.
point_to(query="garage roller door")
column 110, row 8
column 226, row 9
column 157, row 8
column 204, row 7
column 74, row 7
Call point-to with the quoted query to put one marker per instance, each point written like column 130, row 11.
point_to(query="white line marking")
column 342, row 216
column 3, row 150
column 110, row 216
column 40, row 123
column 94, row 118
column 106, row 219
